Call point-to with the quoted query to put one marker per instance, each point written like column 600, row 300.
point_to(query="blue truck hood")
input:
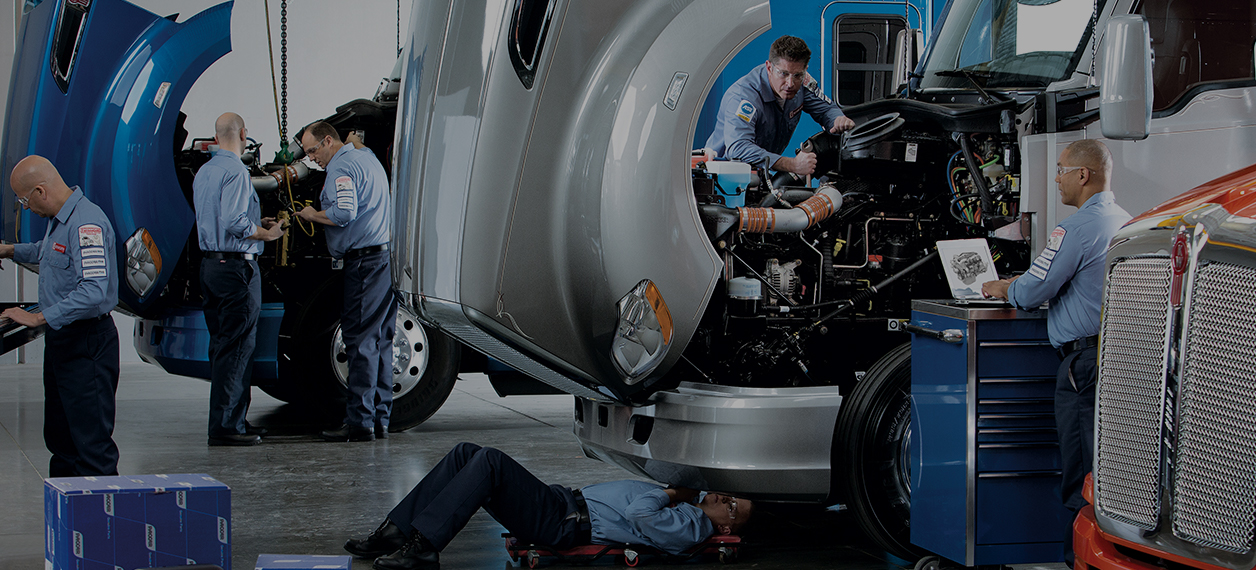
column 96, row 88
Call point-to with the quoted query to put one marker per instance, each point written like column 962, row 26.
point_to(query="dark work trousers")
column 233, row 299
column 470, row 477
column 80, row 381
column 1075, row 424
column 368, row 321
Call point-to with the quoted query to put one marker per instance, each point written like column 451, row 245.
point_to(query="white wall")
column 337, row 51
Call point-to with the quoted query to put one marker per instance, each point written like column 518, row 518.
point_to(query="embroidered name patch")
column 90, row 251
column 58, row 247
column 1043, row 263
column 91, row 235
column 94, row 262
column 95, row 273
column 746, row 111
column 345, row 195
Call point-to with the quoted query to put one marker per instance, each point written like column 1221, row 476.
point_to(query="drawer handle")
column 953, row 336
column 1018, row 475
column 1034, row 445
column 1023, row 343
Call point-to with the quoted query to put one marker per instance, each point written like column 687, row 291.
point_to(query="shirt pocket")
column 58, row 260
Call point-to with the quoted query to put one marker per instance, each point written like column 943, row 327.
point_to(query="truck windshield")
column 1008, row 43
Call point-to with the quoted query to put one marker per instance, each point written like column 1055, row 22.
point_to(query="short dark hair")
column 791, row 48
column 320, row 129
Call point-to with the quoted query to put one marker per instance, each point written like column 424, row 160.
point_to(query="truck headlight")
column 643, row 333
column 143, row 262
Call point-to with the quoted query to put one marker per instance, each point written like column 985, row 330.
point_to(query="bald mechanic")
column 759, row 113
column 1069, row 272
column 471, row 477
column 78, row 286
column 230, row 231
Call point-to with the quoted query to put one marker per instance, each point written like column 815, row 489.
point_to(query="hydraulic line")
column 974, row 174
column 871, row 291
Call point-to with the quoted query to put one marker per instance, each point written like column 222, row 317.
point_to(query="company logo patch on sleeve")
column 1056, row 238
column 90, row 235
column 344, row 183
column 92, row 251
column 746, row 111
column 95, row 273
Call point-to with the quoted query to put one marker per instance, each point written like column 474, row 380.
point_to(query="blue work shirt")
column 753, row 126
column 227, row 208
column 1070, row 270
column 636, row 512
column 355, row 198
column 78, row 263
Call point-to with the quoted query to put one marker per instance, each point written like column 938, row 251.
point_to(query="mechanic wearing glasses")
column 355, row 203
column 230, row 230
column 619, row 512
column 78, row 286
column 759, row 113
column 1069, row 272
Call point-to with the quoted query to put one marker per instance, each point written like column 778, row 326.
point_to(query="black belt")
column 229, row 255
column 584, row 526
column 1076, row 345
column 87, row 321
column 359, row 252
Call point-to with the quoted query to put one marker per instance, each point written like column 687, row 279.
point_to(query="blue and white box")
column 136, row 521
column 302, row 562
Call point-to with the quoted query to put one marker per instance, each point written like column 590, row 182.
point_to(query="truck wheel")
column 870, row 452
column 313, row 363
column 425, row 366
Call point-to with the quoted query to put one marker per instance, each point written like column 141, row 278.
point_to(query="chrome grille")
column 1214, row 485
column 1130, row 394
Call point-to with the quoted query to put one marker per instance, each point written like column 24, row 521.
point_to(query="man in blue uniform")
column 355, row 203
column 619, row 512
column 1069, row 272
column 230, row 231
column 78, row 286
column 759, row 113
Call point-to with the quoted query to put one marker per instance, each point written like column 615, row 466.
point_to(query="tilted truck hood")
column 109, row 124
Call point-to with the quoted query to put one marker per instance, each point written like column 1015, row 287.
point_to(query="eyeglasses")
column 732, row 510
column 782, row 74
column 25, row 200
column 310, row 151
column 1062, row 170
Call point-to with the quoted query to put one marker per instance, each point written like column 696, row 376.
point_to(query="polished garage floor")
column 294, row 494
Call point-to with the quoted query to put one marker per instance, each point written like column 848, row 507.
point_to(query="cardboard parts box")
column 136, row 521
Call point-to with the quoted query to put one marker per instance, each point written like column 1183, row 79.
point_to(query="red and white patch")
column 344, row 183
column 58, row 247
column 795, row 112
column 1056, row 238
column 90, row 235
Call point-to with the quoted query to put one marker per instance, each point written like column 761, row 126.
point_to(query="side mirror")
column 906, row 55
column 1125, row 95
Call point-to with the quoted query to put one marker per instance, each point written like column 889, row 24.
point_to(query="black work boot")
column 417, row 553
column 383, row 540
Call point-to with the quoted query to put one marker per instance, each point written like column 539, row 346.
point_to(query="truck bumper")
column 765, row 443
column 179, row 342
column 1094, row 549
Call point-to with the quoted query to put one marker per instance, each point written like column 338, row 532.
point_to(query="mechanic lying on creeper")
column 619, row 512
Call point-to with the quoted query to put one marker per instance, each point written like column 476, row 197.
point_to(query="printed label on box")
column 222, row 530
column 109, row 505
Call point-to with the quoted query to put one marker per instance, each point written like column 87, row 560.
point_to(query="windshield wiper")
column 972, row 76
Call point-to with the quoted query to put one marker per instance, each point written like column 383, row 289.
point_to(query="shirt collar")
column 225, row 152
column 764, row 85
column 1099, row 199
column 343, row 150
column 63, row 215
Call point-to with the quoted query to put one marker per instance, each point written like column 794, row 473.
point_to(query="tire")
column 313, row 363
column 870, row 453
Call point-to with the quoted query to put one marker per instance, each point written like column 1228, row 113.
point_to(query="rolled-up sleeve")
column 27, row 252
column 236, row 202
column 90, row 269
column 340, row 197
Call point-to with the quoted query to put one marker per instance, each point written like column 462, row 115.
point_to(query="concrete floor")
column 294, row 494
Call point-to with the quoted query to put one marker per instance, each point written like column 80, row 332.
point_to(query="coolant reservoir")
column 733, row 177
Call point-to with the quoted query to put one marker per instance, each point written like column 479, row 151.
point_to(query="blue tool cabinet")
column 984, row 453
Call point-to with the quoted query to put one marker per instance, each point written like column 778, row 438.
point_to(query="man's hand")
column 804, row 164
column 307, row 213
column 6, row 250
column 997, row 289
column 842, row 123
column 22, row 317
column 681, row 494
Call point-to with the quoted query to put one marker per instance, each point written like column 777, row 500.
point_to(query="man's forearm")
column 6, row 250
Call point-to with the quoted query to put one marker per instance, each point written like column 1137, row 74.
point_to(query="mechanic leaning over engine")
column 1069, row 272
column 759, row 113
column 355, row 205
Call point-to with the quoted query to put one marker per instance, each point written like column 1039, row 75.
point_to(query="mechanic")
column 78, row 286
column 1069, row 272
column 230, row 231
column 619, row 512
column 759, row 113
column 355, row 203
